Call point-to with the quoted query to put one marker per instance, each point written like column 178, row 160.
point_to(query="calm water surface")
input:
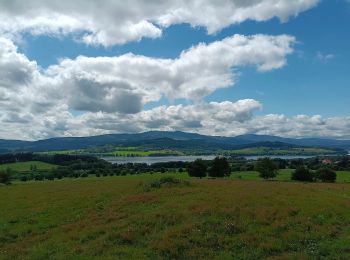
column 190, row 158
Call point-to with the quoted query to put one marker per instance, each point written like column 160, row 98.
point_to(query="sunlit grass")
column 27, row 166
column 116, row 217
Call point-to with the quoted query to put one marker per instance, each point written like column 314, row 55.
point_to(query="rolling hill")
column 170, row 140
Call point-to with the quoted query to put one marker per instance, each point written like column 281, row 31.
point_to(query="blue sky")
column 313, row 83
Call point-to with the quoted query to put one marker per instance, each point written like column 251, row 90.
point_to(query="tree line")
column 266, row 167
column 76, row 166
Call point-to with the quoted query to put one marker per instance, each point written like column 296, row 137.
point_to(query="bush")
column 302, row 174
column 23, row 178
column 326, row 175
column 38, row 177
column 267, row 168
column 5, row 178
column 165, row 181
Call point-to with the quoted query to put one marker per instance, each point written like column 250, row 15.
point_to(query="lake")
column 189, row 158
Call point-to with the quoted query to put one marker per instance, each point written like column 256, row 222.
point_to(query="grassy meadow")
column 26, row 166
column 130, row 218
column 142, row 153
column 130, row 151
column 283, row 151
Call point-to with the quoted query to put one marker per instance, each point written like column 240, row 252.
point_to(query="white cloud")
column 216, row 118
column 225, row 118
column 33, row 99
column 324, row 57
column 125, row 83
column 112, row 22
column 37, row 104
column 300, row 126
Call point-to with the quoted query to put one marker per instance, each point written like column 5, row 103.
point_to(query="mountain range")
column 169, row 140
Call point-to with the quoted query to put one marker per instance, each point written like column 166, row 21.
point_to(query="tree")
column 5, row 178
column 267, row 168
column 220, row 168
column 326, row 175
column 197, row 169
column 302, row 174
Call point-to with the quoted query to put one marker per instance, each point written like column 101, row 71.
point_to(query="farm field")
column 129, row 217
column 117, row 151
column 143, row 152
column 280, row 151
column 135, row 152
column 26, row 166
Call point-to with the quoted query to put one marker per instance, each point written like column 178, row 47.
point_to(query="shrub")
column 98, row 174
column 23, row 178
column 326, row 175
column 38, row 177
column 5, row 178
column 302, row 174
column 267, row 168
column 165, row 181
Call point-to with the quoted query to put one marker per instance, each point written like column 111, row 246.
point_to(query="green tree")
column 23, row 178
column 326, row 175
column 220, row 168
column 267, row 168
column 197, row 169
column 302, row 174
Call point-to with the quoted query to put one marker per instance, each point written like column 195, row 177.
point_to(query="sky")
column 81, row 68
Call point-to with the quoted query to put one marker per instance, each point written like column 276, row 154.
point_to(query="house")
column 326, row 162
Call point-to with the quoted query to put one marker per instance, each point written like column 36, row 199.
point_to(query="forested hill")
column 169, row 140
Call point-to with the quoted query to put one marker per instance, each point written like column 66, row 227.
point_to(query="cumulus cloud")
column 125, row 83
column 15, row 69
column 215, row 118
column 117, row 22
column 225, row 119
column 300, row 126
column 36, row 103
